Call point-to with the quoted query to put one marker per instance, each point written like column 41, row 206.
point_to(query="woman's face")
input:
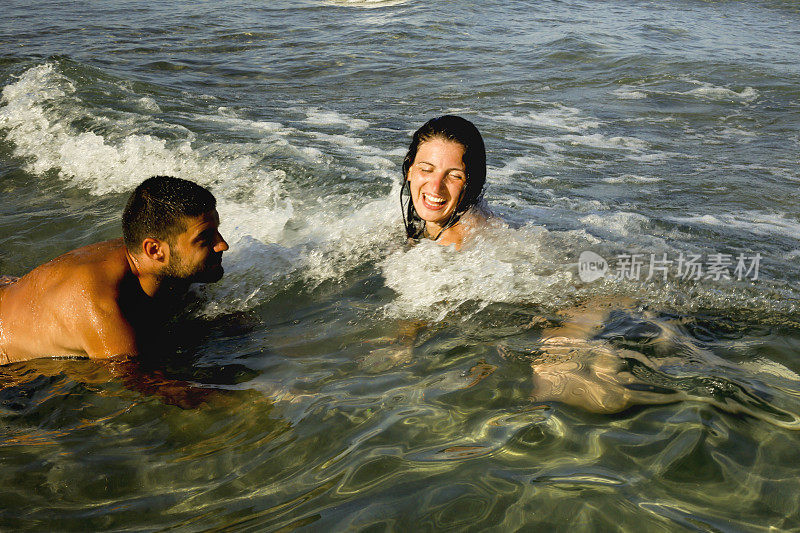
column 437, row 177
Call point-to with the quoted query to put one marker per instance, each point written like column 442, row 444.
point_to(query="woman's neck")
column 458, row 232
column 452, row 235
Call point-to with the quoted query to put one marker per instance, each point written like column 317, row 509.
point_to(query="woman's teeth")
column 438, row 200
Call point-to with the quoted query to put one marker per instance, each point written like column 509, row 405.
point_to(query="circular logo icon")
column 591, row 266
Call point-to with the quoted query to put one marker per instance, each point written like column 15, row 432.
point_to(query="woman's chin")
column 432, row 216
column 435, row 221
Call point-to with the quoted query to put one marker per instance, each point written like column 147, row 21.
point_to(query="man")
column 111, row 298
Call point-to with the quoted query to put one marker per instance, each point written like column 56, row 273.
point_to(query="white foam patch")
column 579, row 205
column 558, row 146
column 262, row 216
column 329, row 246
column 555, row 152
column 354, row 146
column 231, row 121
column 743, row 135
column 756, row 222
column 148, row 105
column 502, row 265
column 534, row 266
column 617, row 223
column 597, row 140
column 656, row 157
column 317, row 117
column 632, row 178
column 708, row 91
column 350, row 239
column 368, row 4
column 38, row 109
column 559, row 117
column 632, row 232
column 516, row 166
column 629, row 93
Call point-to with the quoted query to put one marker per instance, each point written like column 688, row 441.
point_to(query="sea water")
column 364, row 384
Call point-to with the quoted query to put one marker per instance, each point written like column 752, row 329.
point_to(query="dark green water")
column 358, row 384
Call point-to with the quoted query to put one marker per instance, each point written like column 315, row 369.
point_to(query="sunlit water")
column 367, row 385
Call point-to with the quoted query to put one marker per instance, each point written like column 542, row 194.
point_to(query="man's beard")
column 209, row 272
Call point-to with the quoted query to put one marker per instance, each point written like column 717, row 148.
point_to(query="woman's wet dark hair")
column 464, row 132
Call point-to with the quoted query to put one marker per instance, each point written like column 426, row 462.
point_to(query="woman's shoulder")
column 480, row 215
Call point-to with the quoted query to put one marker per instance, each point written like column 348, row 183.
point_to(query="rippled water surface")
column 357, row 383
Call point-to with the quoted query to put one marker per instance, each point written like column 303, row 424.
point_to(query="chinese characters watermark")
column 662, row 266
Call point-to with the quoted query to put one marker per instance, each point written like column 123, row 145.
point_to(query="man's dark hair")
column 458, row 130
column 158, row 206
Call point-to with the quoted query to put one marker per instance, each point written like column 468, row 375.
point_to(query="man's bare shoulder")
column 97, row 267
column 100, row 254
column 72, row 283
column 79, row 293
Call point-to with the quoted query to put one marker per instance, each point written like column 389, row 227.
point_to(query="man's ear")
column 155, row 250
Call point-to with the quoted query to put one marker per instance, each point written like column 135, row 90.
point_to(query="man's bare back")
column 71, row 307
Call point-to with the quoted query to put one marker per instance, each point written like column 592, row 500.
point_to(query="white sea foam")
column 148, row 105
column 632, row 178
column 738, row 133
column 317, row 117
column 629, row 93
column 503, row 265
column 558, row 117
column 368, row 4
column 616, row 223
column 557, row 146
column 655, row 157
column 517, row 166
column 755, row 222
column 325, row 249
column 38, row 109
column 537, row 267
column 231, row 121
column 597, row 140
column 579, row 205
column 350, row 145
column 710, row 91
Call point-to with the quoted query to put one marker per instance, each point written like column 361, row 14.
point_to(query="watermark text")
column 663, row 266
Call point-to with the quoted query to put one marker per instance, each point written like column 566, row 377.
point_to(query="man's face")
column 196, row 253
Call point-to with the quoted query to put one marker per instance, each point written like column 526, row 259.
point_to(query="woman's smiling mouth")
column 432, row 201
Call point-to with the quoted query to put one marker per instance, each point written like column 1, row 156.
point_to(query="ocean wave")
column 256, row 202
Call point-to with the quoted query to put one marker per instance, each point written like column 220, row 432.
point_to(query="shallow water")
column 362, row 384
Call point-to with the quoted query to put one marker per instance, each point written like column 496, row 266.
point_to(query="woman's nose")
column 437, row 181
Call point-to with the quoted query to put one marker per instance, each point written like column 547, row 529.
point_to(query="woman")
column 444, row 173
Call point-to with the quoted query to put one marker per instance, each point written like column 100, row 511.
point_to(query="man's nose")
column 221, row 245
